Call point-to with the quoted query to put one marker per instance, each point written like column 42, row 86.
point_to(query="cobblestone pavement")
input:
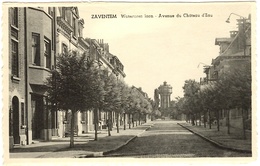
column 168, row 139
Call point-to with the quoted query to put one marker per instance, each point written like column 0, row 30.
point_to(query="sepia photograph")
column 122, row 80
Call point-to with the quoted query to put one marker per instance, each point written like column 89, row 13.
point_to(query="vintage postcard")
column 129, row 82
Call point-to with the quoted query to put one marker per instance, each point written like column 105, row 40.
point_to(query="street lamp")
column 228, row 20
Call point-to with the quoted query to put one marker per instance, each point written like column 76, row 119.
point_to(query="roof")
column 222, row 40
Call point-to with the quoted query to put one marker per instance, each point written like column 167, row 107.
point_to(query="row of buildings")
column 37, row 35
column 234, row 51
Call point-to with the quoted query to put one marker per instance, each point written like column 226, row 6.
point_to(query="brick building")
column 33, row 51
column 37, row 35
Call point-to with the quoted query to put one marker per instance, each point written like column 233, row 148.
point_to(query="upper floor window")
column 74, row 25
column 67, row 15
column 74, row 52
column 36, row 60
column 15, row 67
column 50, row 11
column 47, row 53
column 14, row 16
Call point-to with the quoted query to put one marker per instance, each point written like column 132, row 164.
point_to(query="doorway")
column 15, row 106
column 37, row 107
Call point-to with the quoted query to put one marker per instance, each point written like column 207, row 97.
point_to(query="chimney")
column 106, row 47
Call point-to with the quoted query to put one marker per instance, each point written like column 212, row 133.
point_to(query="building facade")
column 234, row 51
column 33, row 51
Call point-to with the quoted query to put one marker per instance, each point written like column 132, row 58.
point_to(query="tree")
column 191, row 90
column 130, row 106
column 124, row 96
column 111, row 97
column 179, row 106
column 95, row 93
column 235, row 88
column 68, row 86
column 231, row 90
column 155, row 105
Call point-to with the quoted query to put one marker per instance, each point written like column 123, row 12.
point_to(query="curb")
column 101, row 154
column 216, row 143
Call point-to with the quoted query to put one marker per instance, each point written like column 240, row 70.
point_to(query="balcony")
column 64, row 25
column 38, row 75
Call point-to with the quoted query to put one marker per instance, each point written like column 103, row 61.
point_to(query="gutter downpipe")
column 26, row 75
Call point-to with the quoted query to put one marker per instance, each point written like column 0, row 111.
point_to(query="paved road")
column 168, row 139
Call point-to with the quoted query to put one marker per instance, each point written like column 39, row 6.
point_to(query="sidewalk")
column 84, row 144
column 221, row 138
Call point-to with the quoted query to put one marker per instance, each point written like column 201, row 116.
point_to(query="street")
column 168, row 139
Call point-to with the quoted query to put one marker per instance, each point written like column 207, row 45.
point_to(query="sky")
column 154, row 50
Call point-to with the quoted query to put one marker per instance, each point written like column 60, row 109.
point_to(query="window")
column 83, row 116
column 54, row 120
column 64, row 48
column 15, row 69
column 36, row 49
column 47, row 53
column 50, row 11
column 74, row 52
column 14, row 16
column 74, row 23
column 67, row 16
column 66, row 116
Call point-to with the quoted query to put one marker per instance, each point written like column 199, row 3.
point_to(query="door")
column 15, row 106
column 37, row 116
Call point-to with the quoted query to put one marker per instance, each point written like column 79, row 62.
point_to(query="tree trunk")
column 228, row 122
column 136, row 120
column 72, row 129
column 243, row 123
column 108, row 124
column 139, row 118
column 117, row 122
column 205, row 118
column 96, row 123
column 192, row 119
column 129, row 120
column 110, row 120
column 196, row 120
column 124, row 122
column 133, row 120
column 199, row 118
column 218, row 119
column 209, row 120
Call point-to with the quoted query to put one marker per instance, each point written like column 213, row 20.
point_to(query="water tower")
column 165, row 92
